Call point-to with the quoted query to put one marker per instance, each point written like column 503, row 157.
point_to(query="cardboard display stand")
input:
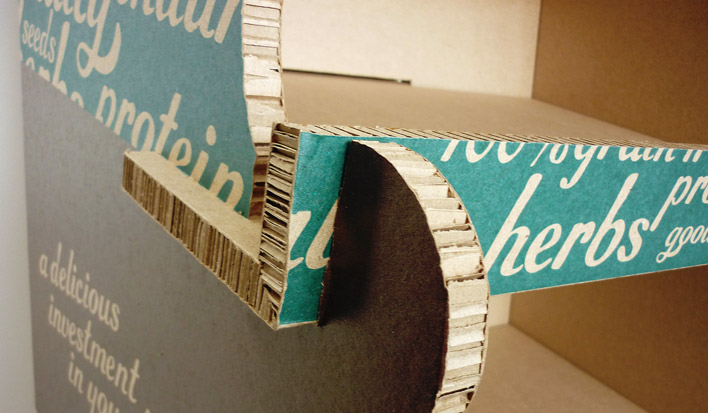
column 377, row 247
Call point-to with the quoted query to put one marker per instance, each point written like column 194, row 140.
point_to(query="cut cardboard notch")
column 221, row 239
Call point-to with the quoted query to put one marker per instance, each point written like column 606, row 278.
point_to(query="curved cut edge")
column 464, row 275
column 262, row 83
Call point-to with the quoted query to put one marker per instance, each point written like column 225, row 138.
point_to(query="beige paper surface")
column 483, row 46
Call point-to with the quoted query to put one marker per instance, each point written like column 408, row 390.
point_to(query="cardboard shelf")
column 339, row 100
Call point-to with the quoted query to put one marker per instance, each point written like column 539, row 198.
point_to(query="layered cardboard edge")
column 262, row 83
column 464, row 276
column 361, row 131
column 275, row 234
column 220, row 238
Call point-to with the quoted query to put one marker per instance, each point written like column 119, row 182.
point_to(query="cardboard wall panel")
column 641, row 65
column 482, row 46
column 638, row 64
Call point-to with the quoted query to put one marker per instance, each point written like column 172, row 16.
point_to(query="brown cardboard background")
column 638, row 64
column 644, row 66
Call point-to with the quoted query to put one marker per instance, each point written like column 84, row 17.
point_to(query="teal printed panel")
column 165, row 76
column 546, row 214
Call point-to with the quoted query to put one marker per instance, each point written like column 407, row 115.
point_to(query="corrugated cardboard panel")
column 481, row 45
column 642, row 65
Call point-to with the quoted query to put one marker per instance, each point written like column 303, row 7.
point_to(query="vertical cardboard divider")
column 383, row 202
column 262, row 83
